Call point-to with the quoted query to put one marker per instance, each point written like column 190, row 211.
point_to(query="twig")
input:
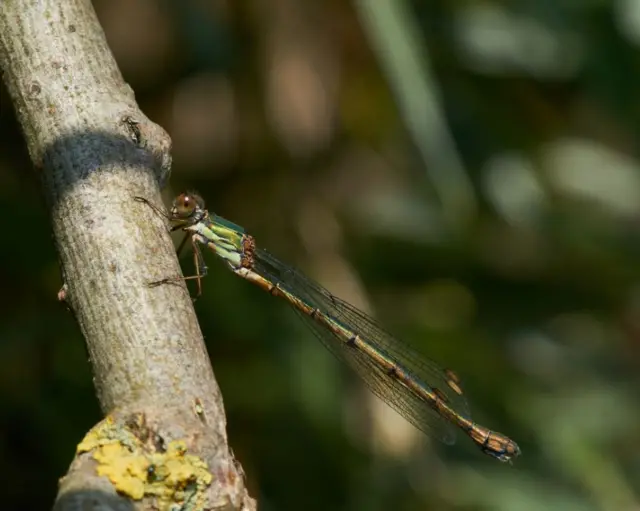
column 94, row 150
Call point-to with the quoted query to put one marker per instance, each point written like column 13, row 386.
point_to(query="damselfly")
column 428, row 396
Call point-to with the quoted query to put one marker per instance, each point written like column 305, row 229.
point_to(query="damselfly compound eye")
column 185, row 205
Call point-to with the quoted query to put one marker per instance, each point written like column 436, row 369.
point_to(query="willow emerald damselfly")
column 429, row 397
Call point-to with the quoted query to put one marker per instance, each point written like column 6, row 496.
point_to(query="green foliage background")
column 510, row 254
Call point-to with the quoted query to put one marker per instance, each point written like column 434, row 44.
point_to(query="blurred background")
column 466, row 172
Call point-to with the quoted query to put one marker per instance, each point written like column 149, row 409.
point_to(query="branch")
column 94, row 149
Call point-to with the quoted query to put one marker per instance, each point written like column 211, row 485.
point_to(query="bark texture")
column 94, row 149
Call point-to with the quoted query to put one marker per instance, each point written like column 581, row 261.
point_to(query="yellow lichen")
column 180, row 477
column 126, row 471
column 96, row 436
column 136, row 469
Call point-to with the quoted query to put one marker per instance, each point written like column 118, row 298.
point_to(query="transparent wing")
column 385, row 386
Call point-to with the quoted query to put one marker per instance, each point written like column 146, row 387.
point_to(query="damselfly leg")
column 198, row 260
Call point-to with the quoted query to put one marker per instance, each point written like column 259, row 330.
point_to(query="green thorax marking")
column 225, row 223
column 224, row 237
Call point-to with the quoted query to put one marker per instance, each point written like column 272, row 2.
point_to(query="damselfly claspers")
column 428, row 396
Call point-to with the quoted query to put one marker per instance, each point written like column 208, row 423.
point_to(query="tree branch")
column 94, row 150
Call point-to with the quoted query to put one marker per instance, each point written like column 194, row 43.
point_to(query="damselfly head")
column 187, row 206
